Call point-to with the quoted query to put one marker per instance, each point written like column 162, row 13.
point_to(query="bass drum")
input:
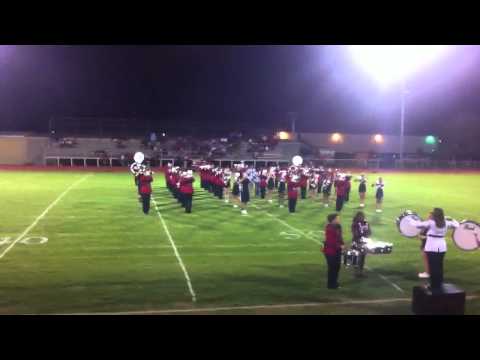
column 405, row 227
column 467, row 236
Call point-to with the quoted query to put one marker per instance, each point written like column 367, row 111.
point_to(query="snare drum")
column 350, row 257
column 405, row 227
column 467, row 236
column 377, row 247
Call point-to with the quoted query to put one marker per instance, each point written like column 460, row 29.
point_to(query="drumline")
column 466, row 236
column 369, row 246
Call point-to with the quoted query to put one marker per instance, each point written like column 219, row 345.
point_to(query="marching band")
column 233, row 186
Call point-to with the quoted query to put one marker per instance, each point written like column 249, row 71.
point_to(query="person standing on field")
column 186, row 189
column 332, row 249
column 436, row 246
column 342, row 187
column 293, row 183
column 145, row 186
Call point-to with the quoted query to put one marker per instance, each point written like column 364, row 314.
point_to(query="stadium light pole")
column 402, row 122
column 390, row 64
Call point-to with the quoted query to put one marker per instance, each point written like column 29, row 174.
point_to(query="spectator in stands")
column 153, row 137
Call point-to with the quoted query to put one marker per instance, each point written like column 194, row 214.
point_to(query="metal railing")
column 116, row 161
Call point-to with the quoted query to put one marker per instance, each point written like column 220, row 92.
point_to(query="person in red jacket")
column 145, row 181
column 263, row 184
column 342, row 187
column 292, row 191
column 332, row 249
column 186, row 189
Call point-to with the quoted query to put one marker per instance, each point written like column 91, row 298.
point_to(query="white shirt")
column 379, row 185
column 435, row 235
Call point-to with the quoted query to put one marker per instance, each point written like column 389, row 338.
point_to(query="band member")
column 362, row 189
column 348, row 179
column 312, row 185
column 332, row 249
column 423, row 241
column 219, row 184
column 236, row 190
column 360, row 229
column 270, row 184
column 186, row 190
column 379, row 185
column 303, row 185
column 263, row 185
column 436, row 246
column 256, row 182
column 326, row 190
column 227, row 175
column 136, row 169
column 341, row 186
column 145, row 186
column 292, row 186
column 276, row 177
column 244, row 193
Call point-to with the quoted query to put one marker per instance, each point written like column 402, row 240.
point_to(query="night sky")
column 230, row 87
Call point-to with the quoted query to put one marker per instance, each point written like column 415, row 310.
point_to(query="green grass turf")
column 104, row 255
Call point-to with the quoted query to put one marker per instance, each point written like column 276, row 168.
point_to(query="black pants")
column 187, row 202
column 361, row 262
column 333, row 263
column 292, row 203
column 181, row 199
column 303, row 192
column 435, row 263
column 262, row 193
column 340, row 201
column 146, row 203
column 347, row 196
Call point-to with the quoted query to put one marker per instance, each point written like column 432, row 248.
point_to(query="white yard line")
column 42, row 215
column 384, row 278
column 254, row 307
column 182, row 265
column 250, row 307
column 288, row 225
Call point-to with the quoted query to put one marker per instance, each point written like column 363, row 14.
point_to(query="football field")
column 78, row 242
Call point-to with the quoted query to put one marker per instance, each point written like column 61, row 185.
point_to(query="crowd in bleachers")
column 159, row 146
column 259, row 145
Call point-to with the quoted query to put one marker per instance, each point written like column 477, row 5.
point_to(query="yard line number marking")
column 182, row 265
column 42, row 215
column 289, row 226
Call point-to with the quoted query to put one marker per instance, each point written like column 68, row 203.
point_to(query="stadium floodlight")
column 390, row 64
column 336, row 138
column 378, row 139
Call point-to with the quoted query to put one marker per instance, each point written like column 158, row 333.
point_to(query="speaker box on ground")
column 450, row 301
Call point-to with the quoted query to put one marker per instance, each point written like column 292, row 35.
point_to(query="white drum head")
column 467, row 236
column 138, row 157
column 406, row 228
column 297, row 160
